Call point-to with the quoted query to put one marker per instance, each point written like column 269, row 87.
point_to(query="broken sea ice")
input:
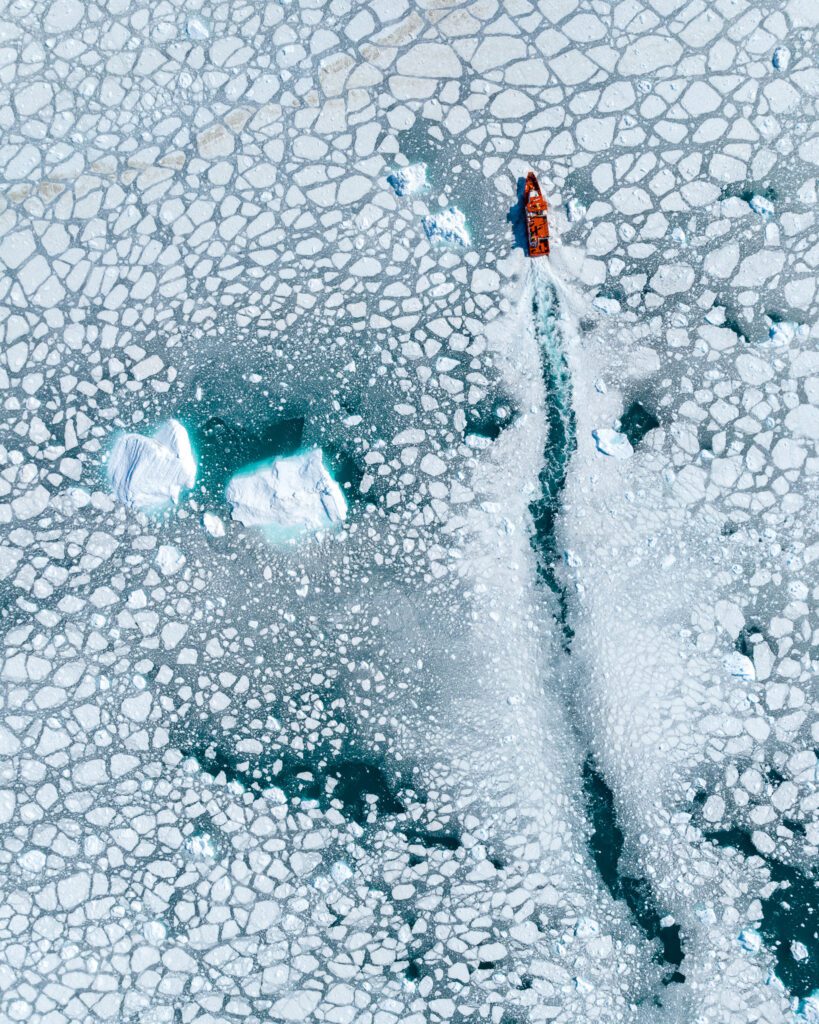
column 149, row 472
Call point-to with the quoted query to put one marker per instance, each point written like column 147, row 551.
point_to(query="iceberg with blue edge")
column 149, row 472
column 408, row 180
column 293, row 494
column 447, row 226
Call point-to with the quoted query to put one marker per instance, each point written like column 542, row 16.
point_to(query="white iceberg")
column 169, row 559
column 447, row 226
column 759, row 204
column 750, row 940
column 408, row 180
column 293, row 494
column 213, row 524
column 148, row 472
column 612, row 443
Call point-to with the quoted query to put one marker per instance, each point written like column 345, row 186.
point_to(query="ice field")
column 398, row 629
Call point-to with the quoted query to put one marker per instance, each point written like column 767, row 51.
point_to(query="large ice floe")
column 149, row 472
column 291, row 494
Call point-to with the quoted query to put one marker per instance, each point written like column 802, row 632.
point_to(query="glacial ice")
column 149, row 472
column 407, row 181
column 292, row 494
column 447, row 226
column 612, row 443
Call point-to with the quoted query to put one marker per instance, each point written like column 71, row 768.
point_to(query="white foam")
column 149, row 472
column 294, row 494
column 447, row 226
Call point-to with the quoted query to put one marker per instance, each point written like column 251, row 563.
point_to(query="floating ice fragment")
column 408, row 180
column 149, row 472
column 213, row 524
column 740, row 666
column 750, row 940
column 169, row 559
column 799, row 951
column 293, row 494
column 613, row 443
column 781, row 58
column 447, row 226
column 759, row 204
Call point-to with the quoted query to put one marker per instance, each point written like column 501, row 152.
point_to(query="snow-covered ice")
column 149, row 472
column 292, row 494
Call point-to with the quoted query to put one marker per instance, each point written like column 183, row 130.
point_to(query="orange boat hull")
column 537, row 223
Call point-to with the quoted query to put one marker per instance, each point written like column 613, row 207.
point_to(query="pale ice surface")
column 294, row 493
column 149, row 472
column 531, row 733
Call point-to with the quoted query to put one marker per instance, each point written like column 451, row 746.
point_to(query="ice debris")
column 295, row 493
column 447, row 226
column 149, row 472
column 783, row 332
column 408, row 180
column 613, row 443
column 740, row 666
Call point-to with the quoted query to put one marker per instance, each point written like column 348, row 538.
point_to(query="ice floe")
column 296, row 493
column 448, row 226
column 149, row 472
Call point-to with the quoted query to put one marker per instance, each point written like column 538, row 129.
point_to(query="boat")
column 537, row 224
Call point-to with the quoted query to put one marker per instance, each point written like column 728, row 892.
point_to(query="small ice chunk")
column 408, row 180
column 759, row 204
column 781, row 58
column 447, row 226
column 613, row 443
column 294, row 494
column 149, row 472
column 750, row 940
column 799, row 951
column 169, row 559
column 740, row 667
column 213, row 524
